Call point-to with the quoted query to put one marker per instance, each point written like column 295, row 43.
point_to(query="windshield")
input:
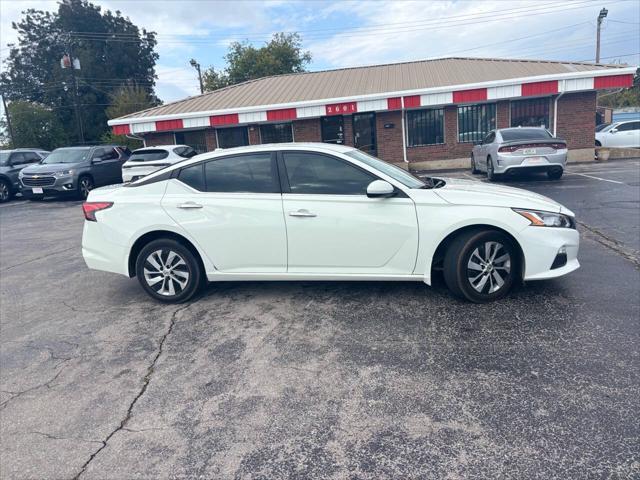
column 148, row 155
column 394, row 172
column 67, row 155
column 4, row 157
column 525, row 134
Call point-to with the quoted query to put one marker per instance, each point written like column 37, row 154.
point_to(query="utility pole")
column 6, row 112
column 72, row 67
column 196, row 65
column 601, row 16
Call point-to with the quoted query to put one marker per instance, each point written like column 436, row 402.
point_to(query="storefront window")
column 530, row 113
column 194, row 139
column 475, row 121
column 232, row 137
column 276, row 133
column 425, row 127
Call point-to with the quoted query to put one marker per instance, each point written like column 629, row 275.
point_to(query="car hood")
column 469, row 192
column 50, row 167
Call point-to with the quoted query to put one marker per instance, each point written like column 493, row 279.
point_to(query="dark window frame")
column 266, row 125
column 284, row 177
column 423, row 112
column 491, row 125
column 521, row 105
column 246, row 135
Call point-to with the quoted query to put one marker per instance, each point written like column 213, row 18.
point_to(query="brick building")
column 425, row 114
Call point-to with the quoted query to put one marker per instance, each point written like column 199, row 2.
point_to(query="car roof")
column 268, row 147
column 521, row 128
column 25, row 149
column 159, row 147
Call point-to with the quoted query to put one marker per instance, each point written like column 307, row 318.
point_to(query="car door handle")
column 189, row 205
column 302, row 213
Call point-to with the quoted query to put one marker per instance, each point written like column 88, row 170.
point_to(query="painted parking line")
column 13, row 204
column 595, row 178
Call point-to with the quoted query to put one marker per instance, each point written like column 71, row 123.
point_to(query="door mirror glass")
column 613, row 130
column 380, row 188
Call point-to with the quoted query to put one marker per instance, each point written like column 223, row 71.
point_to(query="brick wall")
column 503, row 114
column 577, row 119
column 210, row 139
column 307, row 130
column 348, row 130
column 254, row 135
column 389, row 139
column 159, row 138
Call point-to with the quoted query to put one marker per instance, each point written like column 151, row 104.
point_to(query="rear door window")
column 625, row 127
column 253, row 173
column 148, row 155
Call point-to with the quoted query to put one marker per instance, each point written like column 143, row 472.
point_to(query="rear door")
column 334, row 228
column 232, row 207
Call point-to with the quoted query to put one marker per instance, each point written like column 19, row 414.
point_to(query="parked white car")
column 144, row 161
column 620, row 135
column 321, row 212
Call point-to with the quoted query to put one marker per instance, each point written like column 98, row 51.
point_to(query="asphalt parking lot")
column 323, row 380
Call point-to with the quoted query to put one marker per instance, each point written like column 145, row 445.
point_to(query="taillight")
column 90, row 209
column 559, row 146
column 511, row 148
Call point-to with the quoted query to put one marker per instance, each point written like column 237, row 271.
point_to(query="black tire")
column 85, row 185
column 161, row 289
column 555, row 174
column 474, row 168
column 491, row 174
column 6, row 190
column 459, row 275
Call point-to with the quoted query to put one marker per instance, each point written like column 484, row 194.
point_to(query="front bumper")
column 541, row 246
column 512, row 163
column 60, row 186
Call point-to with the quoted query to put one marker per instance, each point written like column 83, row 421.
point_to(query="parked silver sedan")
column 521, row 149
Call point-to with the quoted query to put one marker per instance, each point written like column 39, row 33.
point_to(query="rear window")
column 525, row 134
column 148, row 155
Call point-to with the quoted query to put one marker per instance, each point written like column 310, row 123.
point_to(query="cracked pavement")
column 322, row 380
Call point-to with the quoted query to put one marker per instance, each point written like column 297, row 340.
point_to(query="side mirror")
column 613, row 130
column 380, row 188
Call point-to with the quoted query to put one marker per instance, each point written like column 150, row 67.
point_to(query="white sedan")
column 620, row 135
column 144, row 161
column 321, row 212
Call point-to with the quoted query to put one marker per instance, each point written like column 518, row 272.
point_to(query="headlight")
column 547, row 219
column 20, row 174
column 64, row 173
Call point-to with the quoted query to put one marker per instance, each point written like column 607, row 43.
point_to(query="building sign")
column 341, row 108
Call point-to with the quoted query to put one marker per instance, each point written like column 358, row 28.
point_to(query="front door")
column 364, row 132
column 334, row 228
column 232, row 208
column 333, row 129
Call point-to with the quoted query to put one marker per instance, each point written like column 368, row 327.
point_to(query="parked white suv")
column 321, row 212
column 620, row 135
column 144, row 161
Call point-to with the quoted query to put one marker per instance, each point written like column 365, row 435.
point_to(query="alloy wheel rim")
column 488, row 267
column 166, row 272
column 85, row 187
column 4, row 191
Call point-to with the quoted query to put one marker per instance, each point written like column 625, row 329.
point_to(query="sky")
column 360, row 32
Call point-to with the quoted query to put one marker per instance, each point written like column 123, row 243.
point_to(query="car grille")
column 38, row 181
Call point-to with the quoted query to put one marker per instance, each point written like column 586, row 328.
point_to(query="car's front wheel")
column 6, row 192
column 481, row 265
column 168, row 271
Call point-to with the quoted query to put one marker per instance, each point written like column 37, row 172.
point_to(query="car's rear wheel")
column 6, row 192
column 555, row 174
column 474, row 167
column 168, row 271
column 85, row 185
column 481, row 265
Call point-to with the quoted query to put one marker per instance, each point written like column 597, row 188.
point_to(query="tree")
column 112, row 52
column 125, row 100
column 628, row 97
column 34, row 125
column 282, row 54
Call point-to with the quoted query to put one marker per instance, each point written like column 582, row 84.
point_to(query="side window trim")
column 274, row 163
column 284, row 177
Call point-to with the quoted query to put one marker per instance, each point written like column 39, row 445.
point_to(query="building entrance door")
column 364, row 132
column 333, row 129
